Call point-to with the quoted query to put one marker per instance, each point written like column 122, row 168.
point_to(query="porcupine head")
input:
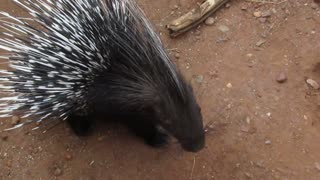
column 95, row 54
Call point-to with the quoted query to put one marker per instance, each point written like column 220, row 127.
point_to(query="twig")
column 172, row 49
column 194, row 162
column 194, row 17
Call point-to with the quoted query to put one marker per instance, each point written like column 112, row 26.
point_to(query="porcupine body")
column 95, row 57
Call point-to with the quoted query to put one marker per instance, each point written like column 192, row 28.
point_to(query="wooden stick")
column 194, row 17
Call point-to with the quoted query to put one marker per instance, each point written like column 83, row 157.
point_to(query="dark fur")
column 143, row 93
column 144, row 99
column 116, row 65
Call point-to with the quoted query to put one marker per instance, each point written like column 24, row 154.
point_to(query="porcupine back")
column 74, row 43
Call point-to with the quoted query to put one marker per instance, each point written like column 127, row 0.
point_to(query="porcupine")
column 95, row 57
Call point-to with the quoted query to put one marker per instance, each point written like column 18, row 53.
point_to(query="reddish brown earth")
column 261, row 129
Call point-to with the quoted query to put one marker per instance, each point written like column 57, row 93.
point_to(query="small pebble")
column 229, row 85
column 238, row 165
column 177, row 56
column 227, row 5
column 248, row 175
column 269, row 114
column 268, row 142
column 91, row 163
column 266, row 13
column 263, row 35
column 281, row 78
column 312, row 83
column 15, row 120
column 287, row 11
column 214, row 74
column 68, row 157
column 260, row 42
column 244, row 8
column 9, row 163
column 263, row 19
column 197, row 33
column 209, row 21
column 257, row 14
column 249, row 55
column 248, row 120
column 57, row 172
column 245, row 129
column 199, row 78
column 223, row 28
column 259, row 164
column 317, row 166
column 176, row 7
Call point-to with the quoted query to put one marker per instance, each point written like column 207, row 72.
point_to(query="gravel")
column 209, row 21
column 312, row 83
column 282, row 77
column 223, row 28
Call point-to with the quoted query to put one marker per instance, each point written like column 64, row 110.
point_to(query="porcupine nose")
column 194, row 145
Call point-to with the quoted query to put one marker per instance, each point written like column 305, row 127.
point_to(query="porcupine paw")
column 148, row 131
column 157, row 139
column 81, row 125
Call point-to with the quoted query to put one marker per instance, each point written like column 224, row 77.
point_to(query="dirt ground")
column 260, row 129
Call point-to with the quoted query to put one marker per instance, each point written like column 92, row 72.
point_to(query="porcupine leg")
column 80, row 124
column 147, row 130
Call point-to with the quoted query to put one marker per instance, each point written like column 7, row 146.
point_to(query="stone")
column 260, row 42
column 223, row 28
column 229, row 85
column 312, row 83
column 209, row 21
column 257, row 14
column 281, row 78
